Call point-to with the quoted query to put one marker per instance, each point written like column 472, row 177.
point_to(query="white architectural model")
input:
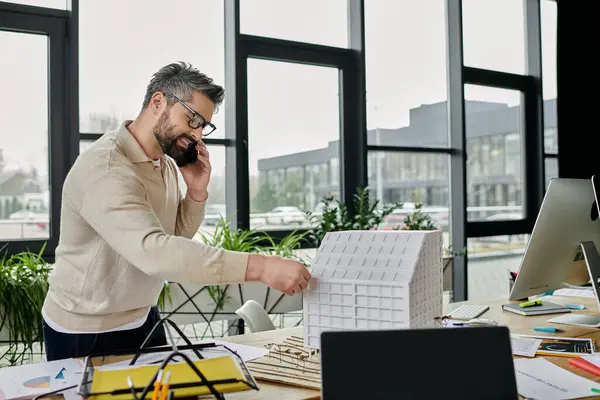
column 374, row 280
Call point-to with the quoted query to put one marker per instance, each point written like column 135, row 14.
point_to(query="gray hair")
column 182, row 80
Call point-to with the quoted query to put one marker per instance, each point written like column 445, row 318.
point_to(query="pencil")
column 157, row 385
column 165, row 386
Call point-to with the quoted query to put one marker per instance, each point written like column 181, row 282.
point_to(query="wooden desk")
column 515, row 322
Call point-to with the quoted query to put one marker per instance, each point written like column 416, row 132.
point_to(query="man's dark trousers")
column 64, row 345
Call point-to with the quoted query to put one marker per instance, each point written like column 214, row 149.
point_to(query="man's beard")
column 163, row 132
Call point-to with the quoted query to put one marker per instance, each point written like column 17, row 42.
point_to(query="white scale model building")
column 374, row 280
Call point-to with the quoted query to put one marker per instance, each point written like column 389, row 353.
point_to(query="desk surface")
column 516, row 323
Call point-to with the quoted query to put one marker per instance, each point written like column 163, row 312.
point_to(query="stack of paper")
column 584, row 292
column 538, row 378
column 524, row 346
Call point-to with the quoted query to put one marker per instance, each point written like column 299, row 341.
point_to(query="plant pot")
column 236, row 294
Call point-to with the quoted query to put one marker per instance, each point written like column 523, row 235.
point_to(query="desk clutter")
column 289, row 362
column 211, row 367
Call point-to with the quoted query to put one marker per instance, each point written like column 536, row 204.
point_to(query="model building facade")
column 374, row 280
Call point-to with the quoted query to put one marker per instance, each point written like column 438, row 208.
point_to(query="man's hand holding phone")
column 197, row 175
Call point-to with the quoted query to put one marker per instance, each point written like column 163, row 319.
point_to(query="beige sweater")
column 124, row 231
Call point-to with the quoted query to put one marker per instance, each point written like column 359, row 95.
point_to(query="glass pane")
column 494, row 154
column 84, row 145
column 24, row 170
column 489, row 260
column 215, row 206
column 111, row 88
column 412, row 179
column 551, row 166
column 494, row 35
column 59, row 4
column 310, row 21
column 406, row 73
column 551, row 133
column 293, row 142
column 548, row 22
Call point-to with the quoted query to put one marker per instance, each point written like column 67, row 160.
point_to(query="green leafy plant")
column 336, row 216
column 419, row 220
column 23, row 288
column 287, row 246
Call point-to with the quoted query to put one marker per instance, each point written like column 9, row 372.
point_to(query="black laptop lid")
column 462, row 363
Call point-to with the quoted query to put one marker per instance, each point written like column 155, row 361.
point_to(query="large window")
column 494, row 35
column 407, row 109
column 293, row 136
column 406, row 73
column 310, row 21
column 301, row 124
column 494, row 173
column 116, row 64
column 112, row 85
column 24, row 172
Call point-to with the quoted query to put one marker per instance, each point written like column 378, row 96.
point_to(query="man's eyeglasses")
column 197, row 120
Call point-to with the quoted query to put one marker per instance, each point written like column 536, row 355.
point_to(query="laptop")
column 449, row 363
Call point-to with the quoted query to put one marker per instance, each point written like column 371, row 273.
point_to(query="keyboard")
column 468, row 311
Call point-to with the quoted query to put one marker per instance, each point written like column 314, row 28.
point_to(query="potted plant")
column 23, row 288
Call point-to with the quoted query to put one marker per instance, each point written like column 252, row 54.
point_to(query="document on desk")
column 524, row 346
column 588, row 293
column 538, row 378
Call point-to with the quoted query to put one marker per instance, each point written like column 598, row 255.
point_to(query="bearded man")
column 126, row 229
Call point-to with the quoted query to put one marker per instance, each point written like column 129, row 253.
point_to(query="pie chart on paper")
column 41, row 382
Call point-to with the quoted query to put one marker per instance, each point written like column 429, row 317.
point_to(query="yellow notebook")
column 107, row 380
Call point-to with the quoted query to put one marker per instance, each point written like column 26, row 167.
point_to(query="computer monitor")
column 418, row 364
column 568, row 216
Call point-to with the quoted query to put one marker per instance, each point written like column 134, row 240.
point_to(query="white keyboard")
column 468, row 311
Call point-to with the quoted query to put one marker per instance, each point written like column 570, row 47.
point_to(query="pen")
column 575, row 306
column 546, row 329
column 157, row 385
column 537, row 302
column 165, row 386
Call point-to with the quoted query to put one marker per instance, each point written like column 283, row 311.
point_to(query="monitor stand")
column 592, row 261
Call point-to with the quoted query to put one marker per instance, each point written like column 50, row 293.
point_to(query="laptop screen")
column 465, row 363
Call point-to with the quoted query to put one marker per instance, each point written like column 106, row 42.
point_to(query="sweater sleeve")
column 117, row 208
column 190, row 215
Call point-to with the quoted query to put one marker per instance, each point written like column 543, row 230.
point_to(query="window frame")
column 353, row 159
column 55, row 24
